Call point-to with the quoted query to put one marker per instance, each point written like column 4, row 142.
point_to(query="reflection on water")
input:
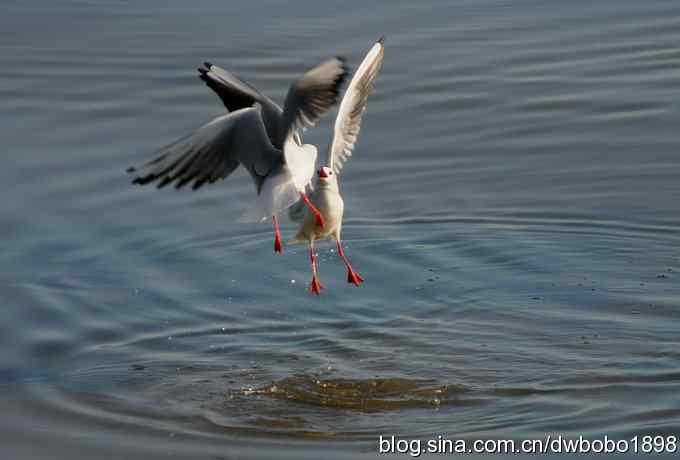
column 513, row 204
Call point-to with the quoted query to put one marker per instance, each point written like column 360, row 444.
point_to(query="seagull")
column 326, row 195
column 257, row 134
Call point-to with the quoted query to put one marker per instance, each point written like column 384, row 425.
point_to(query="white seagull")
column 257, row 134
column 326, row 195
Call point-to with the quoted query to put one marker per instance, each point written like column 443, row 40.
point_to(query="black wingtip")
column 164, row 182
column 205, row 69
column 381, row 40
column 183, row 182
column 143, row 180
column 345, row 70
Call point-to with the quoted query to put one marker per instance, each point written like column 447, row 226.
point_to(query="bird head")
column 325, row 174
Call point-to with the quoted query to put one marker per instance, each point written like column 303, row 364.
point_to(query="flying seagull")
column 326, row 195
column 257, row 134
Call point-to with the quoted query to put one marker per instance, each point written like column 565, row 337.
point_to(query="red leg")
column 317, row 213
column 352, row 276
column 315, row 287
column 277, row 236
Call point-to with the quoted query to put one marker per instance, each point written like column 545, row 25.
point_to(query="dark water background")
column 513, row 205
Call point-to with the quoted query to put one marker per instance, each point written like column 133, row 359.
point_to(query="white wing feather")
column 348, row 121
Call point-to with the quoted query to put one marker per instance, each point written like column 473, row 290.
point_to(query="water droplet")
column 292, row 281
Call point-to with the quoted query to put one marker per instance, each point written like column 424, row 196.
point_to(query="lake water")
column 513, row 204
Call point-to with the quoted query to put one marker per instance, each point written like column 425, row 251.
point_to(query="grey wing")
column 234, row 92
column 213, row 152
column 311, row 96
column 348, row 120
column 237, row 94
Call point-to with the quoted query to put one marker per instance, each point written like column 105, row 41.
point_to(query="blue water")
column 513, row 204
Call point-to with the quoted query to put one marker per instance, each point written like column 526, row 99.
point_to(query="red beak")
column 322, row 173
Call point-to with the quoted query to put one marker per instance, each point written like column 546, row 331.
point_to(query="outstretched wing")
column 348, row 120
column 234, row 92
column 213, row 152
column 311, row 96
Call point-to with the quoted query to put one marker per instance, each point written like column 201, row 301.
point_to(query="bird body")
column 326, row 196
column 327, row 199
column 255, row 133
column 265, row 139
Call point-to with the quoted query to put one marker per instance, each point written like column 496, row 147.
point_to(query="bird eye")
column 330, row 173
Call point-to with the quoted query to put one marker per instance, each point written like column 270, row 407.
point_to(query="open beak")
column 322, row 174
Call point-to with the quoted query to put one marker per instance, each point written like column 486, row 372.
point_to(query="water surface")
column 513, row 204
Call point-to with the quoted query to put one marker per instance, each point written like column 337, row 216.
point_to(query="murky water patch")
column 370, row 395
